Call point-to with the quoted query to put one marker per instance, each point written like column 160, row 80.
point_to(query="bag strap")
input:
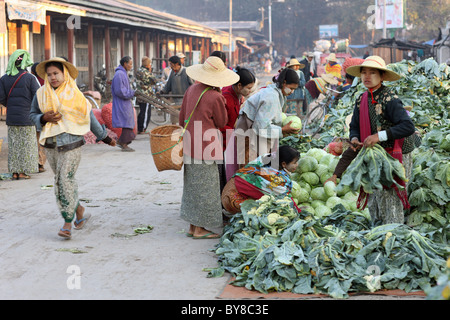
column 186, row 121
column 190, row 116
column 17, row 80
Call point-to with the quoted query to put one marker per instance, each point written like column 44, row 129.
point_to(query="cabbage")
column 311, row 178
column 319, row 194
column 316, row 153
column 296, row 122
column 343, row 191
column 321, row 169
column 333, row 201
column 283, row 117
column 305, row 185
column 325, row 176
column 307, row 164
column 327, row 159
column 322, row 211
column 330, row 189
column 316, row 203
column 351, row 196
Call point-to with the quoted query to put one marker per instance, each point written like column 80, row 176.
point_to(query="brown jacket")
column 202, row 139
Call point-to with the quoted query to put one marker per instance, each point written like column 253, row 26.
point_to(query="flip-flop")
column 62, row 233
column 190, row 235
column 23, row 176
column 82, row 221
column 207, row 236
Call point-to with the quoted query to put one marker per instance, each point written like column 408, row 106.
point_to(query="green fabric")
column 12, row 70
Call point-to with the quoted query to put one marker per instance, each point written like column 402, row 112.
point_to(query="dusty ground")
column 122, row 191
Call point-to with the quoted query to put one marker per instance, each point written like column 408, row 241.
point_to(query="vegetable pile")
column 270, row 247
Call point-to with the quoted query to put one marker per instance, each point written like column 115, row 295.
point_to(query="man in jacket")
column 178, row 82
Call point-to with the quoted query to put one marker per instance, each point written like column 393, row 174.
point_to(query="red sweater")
column 233, row 105
column 201, row 139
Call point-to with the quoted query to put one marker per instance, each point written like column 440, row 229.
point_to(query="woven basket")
column 166, row 144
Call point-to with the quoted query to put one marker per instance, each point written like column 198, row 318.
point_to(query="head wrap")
column 13, row 68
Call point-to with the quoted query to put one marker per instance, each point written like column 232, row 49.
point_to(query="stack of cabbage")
column 310, row 191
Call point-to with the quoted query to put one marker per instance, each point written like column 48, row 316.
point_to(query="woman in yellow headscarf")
column 63, row 115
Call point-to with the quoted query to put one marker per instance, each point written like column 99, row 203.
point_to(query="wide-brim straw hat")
column 332, row 57
column 295, row 62
column 375, row 62
column 329, row 79
column 41, row 72
column 213, row 72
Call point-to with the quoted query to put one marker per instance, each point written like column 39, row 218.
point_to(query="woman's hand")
column 355, row 144
column 287, row 129
column 333, row 178
column 52, row 117
column 371, row 140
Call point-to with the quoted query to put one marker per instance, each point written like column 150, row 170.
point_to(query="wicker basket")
column 166, row 144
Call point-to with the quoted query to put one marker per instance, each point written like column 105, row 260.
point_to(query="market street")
column 123, row 191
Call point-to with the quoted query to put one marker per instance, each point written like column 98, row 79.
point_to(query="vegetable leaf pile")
column 342, row 253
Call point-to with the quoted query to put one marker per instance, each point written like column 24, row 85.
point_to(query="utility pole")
column 230, row 50
column 384, row 20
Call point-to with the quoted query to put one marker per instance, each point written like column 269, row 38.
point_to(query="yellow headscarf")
column 70, row 102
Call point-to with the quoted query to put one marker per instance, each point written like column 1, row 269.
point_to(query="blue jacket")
column 19, row 102
column 122, row 108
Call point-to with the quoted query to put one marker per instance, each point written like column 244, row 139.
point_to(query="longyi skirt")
column 23, row 155
column 201, row 202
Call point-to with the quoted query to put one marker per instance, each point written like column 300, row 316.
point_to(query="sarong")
column 201, row 205
column 23, row 156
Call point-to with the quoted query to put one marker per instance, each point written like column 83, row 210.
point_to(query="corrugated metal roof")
column 125, row 12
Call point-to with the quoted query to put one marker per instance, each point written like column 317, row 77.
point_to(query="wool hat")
column 294, row 62
column 375, row 62
column 41, row 72
column 213, row 72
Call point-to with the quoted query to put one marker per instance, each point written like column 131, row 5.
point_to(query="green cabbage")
column 311, row 178
column 330, row 189
column 296, row 122
column 319, row 194
column 307, row 164
column 316, row 153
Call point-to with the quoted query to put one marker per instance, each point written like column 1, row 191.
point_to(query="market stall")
column 333, row 247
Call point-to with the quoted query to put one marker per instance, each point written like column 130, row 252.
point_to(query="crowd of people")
column 231, row 129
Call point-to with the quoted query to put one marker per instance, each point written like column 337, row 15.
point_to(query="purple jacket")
column 122, row 108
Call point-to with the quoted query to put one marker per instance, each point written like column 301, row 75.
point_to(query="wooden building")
column 97, row 33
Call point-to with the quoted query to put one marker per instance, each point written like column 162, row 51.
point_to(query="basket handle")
column 186, row 121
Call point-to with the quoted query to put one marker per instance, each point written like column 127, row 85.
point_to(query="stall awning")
column 36, row 11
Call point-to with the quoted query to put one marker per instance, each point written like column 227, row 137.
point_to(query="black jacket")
column 19, row 102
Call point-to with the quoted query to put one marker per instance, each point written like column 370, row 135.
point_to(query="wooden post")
column 91, row 54
column 136, row 61
column 70, row 44
column 48, row 38
column 122, row 42
column 107, row 53
column 147, row 44
column 19, row 35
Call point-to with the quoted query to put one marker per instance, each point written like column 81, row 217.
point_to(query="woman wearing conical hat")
column 379, row 117
column 63, row 115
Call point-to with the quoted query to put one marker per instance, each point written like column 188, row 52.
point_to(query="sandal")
column 23, row 176
column 65, row 233
column 15, row 176
column 210, row 235
column 79, row 224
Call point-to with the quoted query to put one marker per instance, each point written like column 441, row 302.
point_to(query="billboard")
column 328, row 31
column 394, row 14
